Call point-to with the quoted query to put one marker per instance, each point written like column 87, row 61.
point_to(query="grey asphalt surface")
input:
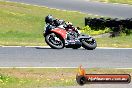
column 47, row 57
column 85, row 6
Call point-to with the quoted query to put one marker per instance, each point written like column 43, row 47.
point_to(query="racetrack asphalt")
column 85, row 6
column 47, row 57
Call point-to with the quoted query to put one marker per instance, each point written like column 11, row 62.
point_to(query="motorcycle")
column 56, row 38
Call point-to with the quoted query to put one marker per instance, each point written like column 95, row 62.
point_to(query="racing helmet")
column 49, row 19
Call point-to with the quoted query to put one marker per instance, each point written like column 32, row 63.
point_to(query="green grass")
column 22, row 25
column 116, row 1
column 34, row 78
column 121, row 41
column 88, row 30
column 47, row 77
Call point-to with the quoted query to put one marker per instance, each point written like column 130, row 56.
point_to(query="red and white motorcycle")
column 56, row 38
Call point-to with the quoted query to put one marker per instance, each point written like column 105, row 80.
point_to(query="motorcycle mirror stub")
column 83, row 78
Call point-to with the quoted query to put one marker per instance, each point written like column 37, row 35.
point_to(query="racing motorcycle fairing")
column 61, row 32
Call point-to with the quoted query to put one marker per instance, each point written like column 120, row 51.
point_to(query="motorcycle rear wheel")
column 50, row 40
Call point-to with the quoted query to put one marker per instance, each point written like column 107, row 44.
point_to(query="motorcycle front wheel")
column 89, row 44
column 54, row 41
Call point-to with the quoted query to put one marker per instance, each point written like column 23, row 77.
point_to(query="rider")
column 52, row 23
column 49, row 22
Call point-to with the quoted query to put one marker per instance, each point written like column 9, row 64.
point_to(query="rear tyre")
column 54, row 41
column 89, row 44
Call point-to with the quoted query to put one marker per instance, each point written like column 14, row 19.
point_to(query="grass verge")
column 47, row 77
column 22, row 25
column 121, row 41
column 116, row 1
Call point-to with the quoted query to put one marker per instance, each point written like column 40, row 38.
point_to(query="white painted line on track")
column 124, row 68
column 111, row 48
column 110, row 3
column 117, row 3
column 11, row 46
column 65, row 67
column 49, row 47
column 37, row 46
column 38, row 67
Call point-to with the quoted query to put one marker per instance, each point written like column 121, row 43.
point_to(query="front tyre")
column 89, row 44
column 54, row 41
